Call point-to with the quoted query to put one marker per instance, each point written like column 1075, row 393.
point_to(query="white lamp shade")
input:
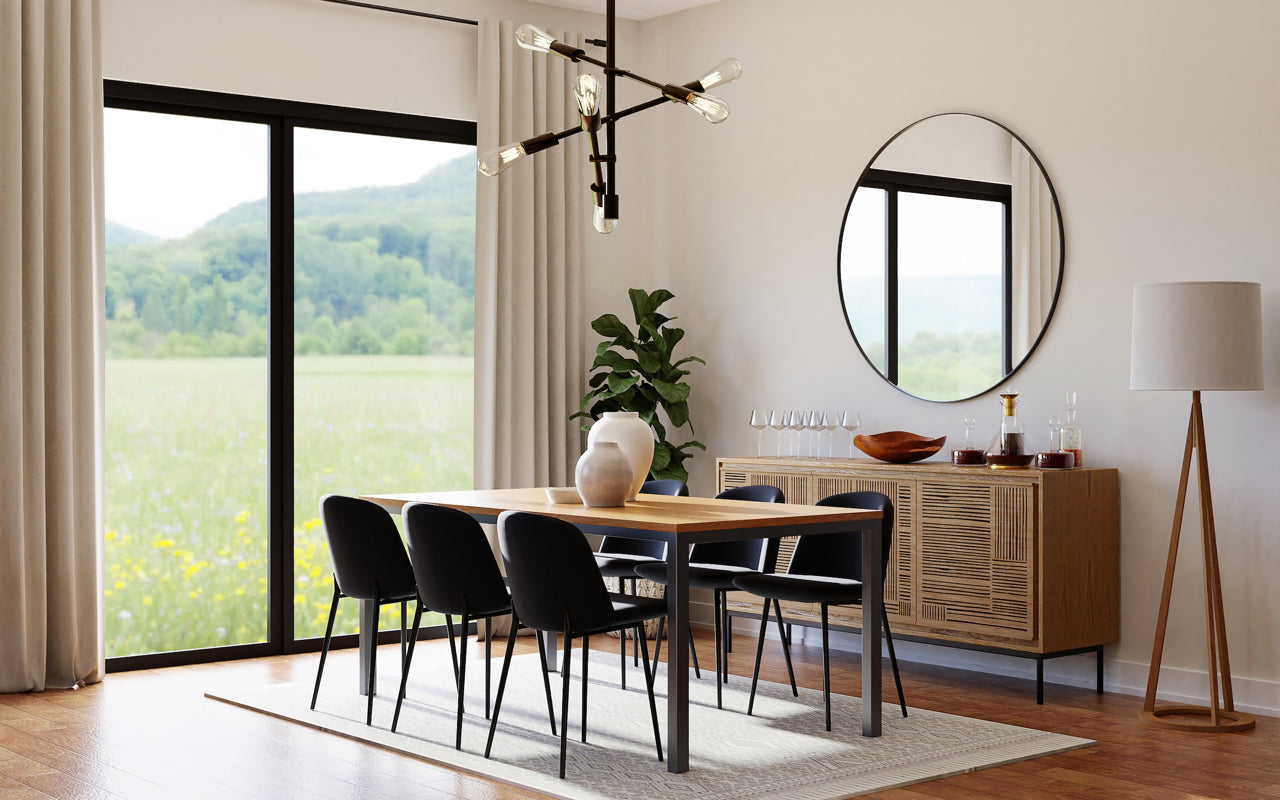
column 1197, row 336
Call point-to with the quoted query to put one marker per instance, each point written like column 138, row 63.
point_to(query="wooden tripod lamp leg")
column 1217, row 717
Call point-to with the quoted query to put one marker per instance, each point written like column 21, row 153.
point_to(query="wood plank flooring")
column 151, row 734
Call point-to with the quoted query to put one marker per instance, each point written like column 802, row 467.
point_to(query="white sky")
column 168, row 174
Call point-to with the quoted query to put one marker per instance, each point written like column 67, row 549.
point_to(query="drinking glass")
column 759, row 421
column 797, row 424
column 817, row 424
column 850, row 421
column 778, row 421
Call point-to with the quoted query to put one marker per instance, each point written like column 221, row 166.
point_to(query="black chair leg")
column 404, row 668
column 693, row 652
column 488, row 656
column 453, row 647
column 586, row 651
column 404, row 617
column 715, row 603
column 893, row 659
column 826, row 668
column 373, row 672
column 462, row 681
column 722, row 665
column 635, row 646
column 564, row 697
column 657, row 646
column 546, row 676
column 786, row 645
column 502, row 682
column 755, row 674
column 324, row 649
column 622, row 651
column 648, row 679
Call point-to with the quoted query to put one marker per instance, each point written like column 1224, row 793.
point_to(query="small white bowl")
column 563, row 494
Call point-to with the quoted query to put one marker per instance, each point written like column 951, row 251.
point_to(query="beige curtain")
column 1035, row 250
column 530, row 222
column 51, row 316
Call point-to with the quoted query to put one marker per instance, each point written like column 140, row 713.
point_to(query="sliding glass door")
column 289, row 304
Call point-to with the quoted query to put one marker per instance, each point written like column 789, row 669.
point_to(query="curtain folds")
column 529, row 239
column 51, row 317
column 1035, row 250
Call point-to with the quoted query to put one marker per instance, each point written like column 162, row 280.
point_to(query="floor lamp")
column 1199, row 337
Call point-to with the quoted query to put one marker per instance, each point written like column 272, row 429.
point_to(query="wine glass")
column 778, row 421
column 817, row 424
column 759, row 421
column 797, row 424
column 833, row 422
column 850, row 421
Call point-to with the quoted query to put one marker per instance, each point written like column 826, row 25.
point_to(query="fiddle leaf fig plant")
column 636, row 373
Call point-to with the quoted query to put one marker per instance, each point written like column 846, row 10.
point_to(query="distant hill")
column 446, row 191
column 943, row 305
column 118, row 234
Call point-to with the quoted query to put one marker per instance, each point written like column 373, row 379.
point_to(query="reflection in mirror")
column 950, row 257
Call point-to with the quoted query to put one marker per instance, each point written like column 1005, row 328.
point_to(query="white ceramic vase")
column 603, row 475
column 634, row 436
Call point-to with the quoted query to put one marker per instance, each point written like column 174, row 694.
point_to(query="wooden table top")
column 647, row 512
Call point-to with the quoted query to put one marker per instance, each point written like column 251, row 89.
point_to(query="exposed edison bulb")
column 587, row 90
column 531, row 37
column 728, row 70
column 495, row 161
column 712, row 108
column 601, row 222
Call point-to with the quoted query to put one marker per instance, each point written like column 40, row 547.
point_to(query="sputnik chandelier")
column 587, row 92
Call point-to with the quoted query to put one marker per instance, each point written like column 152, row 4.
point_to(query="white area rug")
column 780, row 751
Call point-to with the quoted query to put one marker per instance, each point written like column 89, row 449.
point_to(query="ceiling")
column 631, row 9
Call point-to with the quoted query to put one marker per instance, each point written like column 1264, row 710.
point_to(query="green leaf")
column 609, row 326
column 672, row 337
column 598, row 379
column 688, row 359
column 616, row 361
column 678, row 413
column 650, row 362
column 672, row 392
column 621, row 383
column 661, row 456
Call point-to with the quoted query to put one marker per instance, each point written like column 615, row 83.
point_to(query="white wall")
column 1155, row 120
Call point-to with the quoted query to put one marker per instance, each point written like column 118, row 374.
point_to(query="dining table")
column 680, row 522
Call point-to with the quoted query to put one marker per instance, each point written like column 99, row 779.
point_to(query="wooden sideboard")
column 1022, row 562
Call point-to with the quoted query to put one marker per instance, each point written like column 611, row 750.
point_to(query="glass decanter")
column 1071, row 439
column 1008, row 448
column 969, row 455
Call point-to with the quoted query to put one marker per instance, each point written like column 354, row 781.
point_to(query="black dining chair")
column 618, row 556
column 714, row 566
column 827, row 569
column 556, row 587
column 457, row 575
column 369, row 564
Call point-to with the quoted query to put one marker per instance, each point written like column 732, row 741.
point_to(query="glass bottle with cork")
column 1008, row 449
column 1071, row 438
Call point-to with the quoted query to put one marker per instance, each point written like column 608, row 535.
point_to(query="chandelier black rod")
column 610, row 75
column 405, row 11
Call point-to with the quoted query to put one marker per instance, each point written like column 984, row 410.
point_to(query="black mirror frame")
column 1062, row 255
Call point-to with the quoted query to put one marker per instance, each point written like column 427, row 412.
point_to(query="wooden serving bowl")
column 898, row 447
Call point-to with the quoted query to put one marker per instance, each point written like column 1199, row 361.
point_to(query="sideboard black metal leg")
column 1039, row 680
column 1099, row 669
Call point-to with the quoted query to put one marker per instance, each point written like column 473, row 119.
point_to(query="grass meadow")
column 186, row 483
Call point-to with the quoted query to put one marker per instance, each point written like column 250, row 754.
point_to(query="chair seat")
column 802, row 588
column 701, row 576
column 628, row 611
column 623, row 565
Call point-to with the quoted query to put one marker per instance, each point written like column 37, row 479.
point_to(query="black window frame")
column 282, row 118
column 894, row 183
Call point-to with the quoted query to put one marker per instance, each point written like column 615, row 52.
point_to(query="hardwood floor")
column 151, row 734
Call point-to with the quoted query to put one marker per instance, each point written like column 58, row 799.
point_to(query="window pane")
column 950, row 294
column 862, row 276
column 384, row 298
column 186, row 382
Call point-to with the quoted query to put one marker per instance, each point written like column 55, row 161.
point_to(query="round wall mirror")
column 950, row 257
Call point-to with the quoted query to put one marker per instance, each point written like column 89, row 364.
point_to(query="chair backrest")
column 758, row 554
column 839, row 555
column 617, row 545
column 369, row 560
column 668, row 486
column 452, row 561
column 552, row 573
